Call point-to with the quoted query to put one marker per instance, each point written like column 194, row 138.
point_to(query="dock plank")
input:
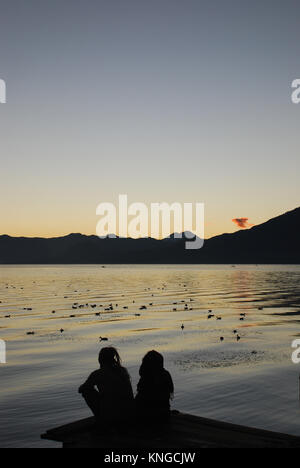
column 184, row 431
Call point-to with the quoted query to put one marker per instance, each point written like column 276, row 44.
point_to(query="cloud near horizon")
column 242, row 222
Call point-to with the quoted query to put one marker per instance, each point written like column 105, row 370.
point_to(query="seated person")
column 108, row 391
column 154, row 391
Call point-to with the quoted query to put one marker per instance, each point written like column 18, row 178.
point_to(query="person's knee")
column 84, row 393
column 88, row 394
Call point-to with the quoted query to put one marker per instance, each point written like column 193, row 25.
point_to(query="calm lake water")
column 251, row 381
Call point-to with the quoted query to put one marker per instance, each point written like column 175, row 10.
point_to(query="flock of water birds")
column 113, row 308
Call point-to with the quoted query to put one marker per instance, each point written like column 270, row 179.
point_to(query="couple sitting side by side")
column 108, row 391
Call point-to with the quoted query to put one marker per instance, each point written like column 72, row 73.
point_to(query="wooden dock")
column 185, row 431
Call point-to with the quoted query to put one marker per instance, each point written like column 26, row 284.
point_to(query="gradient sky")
column 163, row 100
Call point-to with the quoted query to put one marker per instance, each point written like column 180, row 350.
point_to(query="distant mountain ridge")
column 275, row 241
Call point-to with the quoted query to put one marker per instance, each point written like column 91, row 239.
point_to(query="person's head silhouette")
column 152, row 363
column 109, row 358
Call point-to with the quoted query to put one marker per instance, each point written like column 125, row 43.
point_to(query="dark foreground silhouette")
column 154, row 391
column 108, row 392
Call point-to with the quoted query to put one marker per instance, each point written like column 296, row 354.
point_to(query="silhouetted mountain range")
column 276, row 241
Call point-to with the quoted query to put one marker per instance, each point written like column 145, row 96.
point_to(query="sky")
column 162, row 100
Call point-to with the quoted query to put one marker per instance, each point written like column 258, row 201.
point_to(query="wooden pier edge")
column 184, row 431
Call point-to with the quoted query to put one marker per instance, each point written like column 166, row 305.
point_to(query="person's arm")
column 89, row 384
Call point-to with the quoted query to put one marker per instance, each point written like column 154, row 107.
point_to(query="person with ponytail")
column 108, row 391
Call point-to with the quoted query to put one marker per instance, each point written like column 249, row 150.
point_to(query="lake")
column 251, row 381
